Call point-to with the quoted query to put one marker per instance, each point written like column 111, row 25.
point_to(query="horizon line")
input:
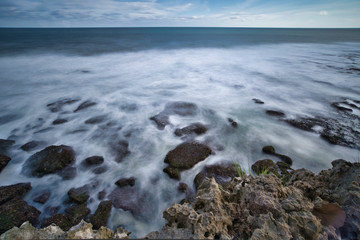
column 190, row 27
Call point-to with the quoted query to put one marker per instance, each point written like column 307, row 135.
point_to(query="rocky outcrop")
column 275, row 113
column 308, row 206
column 83, row 230
column 185, row 156
column 50, row 160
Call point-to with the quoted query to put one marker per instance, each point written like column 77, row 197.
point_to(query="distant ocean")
column 132, row 74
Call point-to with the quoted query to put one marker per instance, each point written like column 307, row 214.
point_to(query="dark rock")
column 93, row 161
column 284, row 158
column 306, row 124
column 232, row 122
column 161, row 120
column 58, row 105
column 182, row 187
column 128, row 199
column 64, row 221
column 52, row 210
column 5, row 145
column 269, row 149
column 102, row 214
column 4, row 160
column 84, row 105
column 330, row 214
column 123, row 182
column 16, row 212
column 50, row 160
column 186, row 155
column 258, row 101
column 120, row 149
column 79, row 195
column 96, row 120
column 194, row 128
column 338, row 106
column 42, row 197
column 100, row 170
column 15, row 191
column 223, row 173
column 68, row 173
column 77, row 212
column 265, row 165
column 29, row 146
column 59, row 121
column 172, row 172
column 102, row 195
column 275, row 113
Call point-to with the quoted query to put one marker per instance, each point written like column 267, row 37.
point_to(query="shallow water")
column 300, row 78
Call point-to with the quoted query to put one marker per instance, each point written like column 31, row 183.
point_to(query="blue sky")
column 174, row 13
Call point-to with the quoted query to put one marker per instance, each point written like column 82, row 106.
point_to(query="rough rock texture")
column 223, row 173
column 77, row 212
column 83, row 230
column 102, row 214
column 42, row 197
column 185, row 156
column 4, row 160
column 50, row 160
column 15, row 191
column 79, row 195
column 267, row 165
column 309, row 207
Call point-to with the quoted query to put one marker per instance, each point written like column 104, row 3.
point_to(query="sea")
column 132, row 74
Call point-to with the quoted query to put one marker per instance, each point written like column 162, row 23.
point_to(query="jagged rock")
column 4, row 160
column 265, row 165
column 93, row 161
column 15, row 191
column 32, row 145
column 50, row 160
column 79, row 195
column 64, row 221
column 84, row 105
column 58, row 105
column 271, row 150
column 194, row 128
column 5, row 145
column 102, row 214
column 258, row 101
column 172, row 172
column 42, row 197
column 59, row 121
column 223, row 173
column 15, row 212
column 77, row 212
column 123, row 182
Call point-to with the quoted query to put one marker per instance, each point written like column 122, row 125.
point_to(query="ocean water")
column 132, row 73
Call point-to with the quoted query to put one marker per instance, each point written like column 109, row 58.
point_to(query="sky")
column 180, row 13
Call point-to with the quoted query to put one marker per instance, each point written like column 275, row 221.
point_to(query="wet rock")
column 77, row 212
column 58, row 105
column 232, row 122
column 271, row 150
column 84, row 105
column 64, row 221
column 128, row 199
column 93, row 161
column 275, row 113
column 4, row 160
column 182, row 187
column 5, row 146
column 101, row 215
column 222, row 173
column 32, row 145
column 123, row 182
column 258, row 101
column 79, row 195
column 102, row 195
column 15, row 191
column 194, row 128
column 42, row 197
column 330, row 214
column 172, row 172
column 121, row 149
column 265, row 165
column 161, row 120
column 186, row 155
column 339, row 106
column 100, row 170
column 50, row 160
column 96, row 120
column 59, row 121
column 15, row 212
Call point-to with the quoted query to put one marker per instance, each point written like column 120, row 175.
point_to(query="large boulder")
column 101, row 215
column 50, row 160
column 15, row 212
column 15, row 191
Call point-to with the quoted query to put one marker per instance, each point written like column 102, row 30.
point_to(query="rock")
column 330, row 214
column 15, row 191
column 79, row 195
column 123, row 182
column 58, row 105
column 172, row 172
column 271, row 150
column 102, row 214
column 29, row 146
column 258, row 101
column 186, row 155
column 4, row 160
column 84, row 105
column 194, row 128
column 59, row 121
column 42, row 197
column 232, row 122
column 128, row 199
column 64, row 221
column 265, row 165
column 96, row 120
column 100, row 170
column 223, row 173
column 50, row 160
column 5, row 145
column 182, row 187
column 93, row 161
column 160, row 120
column 338, row 106
column 121, row 149
column 275, row 113
column 102, row 195
column 77, row 212
column 68, row 173
column 15, row 212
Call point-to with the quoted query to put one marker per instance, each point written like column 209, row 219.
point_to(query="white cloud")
column 323, row 13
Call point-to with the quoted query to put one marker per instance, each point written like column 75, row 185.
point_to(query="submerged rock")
column 59, row 121
column 123, row 182
column 84, row 105
column 58, row 105
column 4, row 160
column 42, row 197
column 93, row 161
column 194, row 128
column 50, row 160
column 258, row 101
column 121, row 149
column 232, row 122
column 96, row 120
column 275, row 113
column 128, row 199
column 5, row 145
column 32, row 145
